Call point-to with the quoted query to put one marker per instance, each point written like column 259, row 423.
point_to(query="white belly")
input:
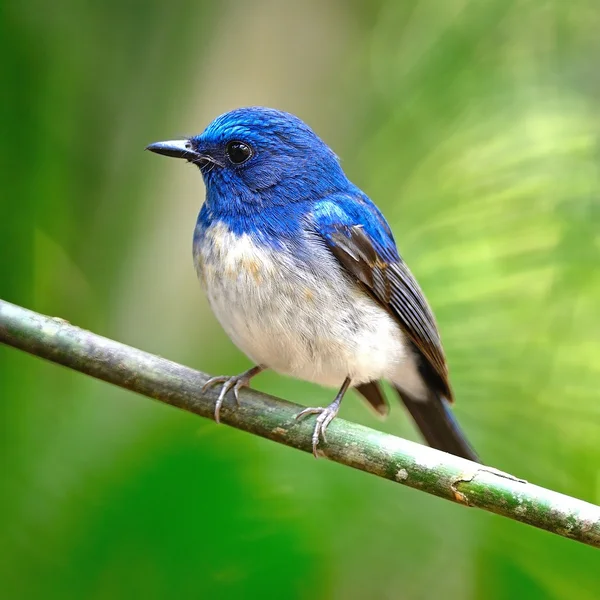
column 315, row 325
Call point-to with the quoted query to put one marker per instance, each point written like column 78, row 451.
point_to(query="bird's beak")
column 176, row 149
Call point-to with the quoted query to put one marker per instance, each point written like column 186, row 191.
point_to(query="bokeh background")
column 474, row 125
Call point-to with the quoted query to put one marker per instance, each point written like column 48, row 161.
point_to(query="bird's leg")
column 237, row 382
column 325, row 416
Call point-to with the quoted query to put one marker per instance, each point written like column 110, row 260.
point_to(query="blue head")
column 253, row 158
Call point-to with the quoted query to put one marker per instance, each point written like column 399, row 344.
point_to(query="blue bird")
column 302, row 271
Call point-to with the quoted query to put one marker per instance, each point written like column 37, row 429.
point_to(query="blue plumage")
column 355, row 208
column 302, row 271
column 290, row 163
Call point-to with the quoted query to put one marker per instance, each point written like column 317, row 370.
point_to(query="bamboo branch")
column 350, row 444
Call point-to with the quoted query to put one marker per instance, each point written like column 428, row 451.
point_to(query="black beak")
column 176, row 149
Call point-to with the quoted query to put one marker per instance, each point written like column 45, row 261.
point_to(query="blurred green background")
column 474, row 125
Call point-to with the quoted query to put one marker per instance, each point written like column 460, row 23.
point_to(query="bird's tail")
column 438, row 425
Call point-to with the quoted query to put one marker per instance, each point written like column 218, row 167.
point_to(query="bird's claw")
column 237, row 382
column 325, row 416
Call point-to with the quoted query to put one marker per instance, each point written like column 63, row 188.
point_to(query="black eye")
column 238, row 152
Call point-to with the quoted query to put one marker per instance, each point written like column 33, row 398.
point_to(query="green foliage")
column 474, row 126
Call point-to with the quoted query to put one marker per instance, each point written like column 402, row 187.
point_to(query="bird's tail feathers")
column 433, row 416
column 374, row 396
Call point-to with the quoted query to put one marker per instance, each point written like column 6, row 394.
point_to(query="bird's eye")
column 238, row 152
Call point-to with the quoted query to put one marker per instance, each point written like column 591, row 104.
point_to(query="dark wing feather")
column 392, row 284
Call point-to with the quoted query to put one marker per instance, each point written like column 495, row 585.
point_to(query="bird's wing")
column 357, row 235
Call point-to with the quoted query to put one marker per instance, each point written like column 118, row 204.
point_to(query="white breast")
column 307, row 320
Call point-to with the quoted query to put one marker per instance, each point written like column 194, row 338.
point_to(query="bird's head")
column 254, row 156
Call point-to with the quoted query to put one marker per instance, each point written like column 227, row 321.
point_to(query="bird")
column 303, row 273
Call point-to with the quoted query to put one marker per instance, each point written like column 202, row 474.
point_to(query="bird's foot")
column 325, row 416
column 235, row 382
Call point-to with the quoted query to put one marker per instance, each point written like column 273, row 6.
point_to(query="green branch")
column 353, row 445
